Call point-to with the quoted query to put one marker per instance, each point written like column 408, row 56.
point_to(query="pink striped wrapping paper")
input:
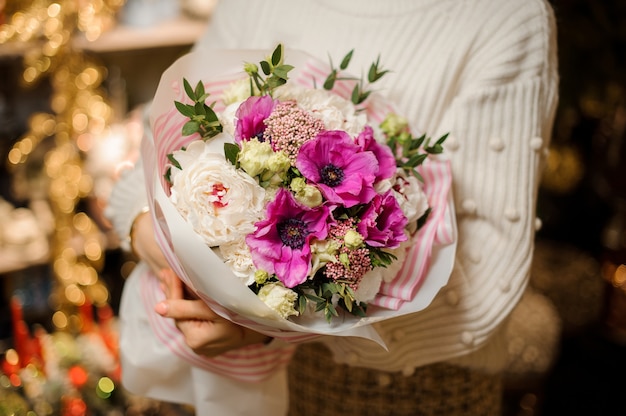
column 428, row 262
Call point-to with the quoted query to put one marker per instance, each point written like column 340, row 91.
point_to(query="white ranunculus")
column 237, row 256
column 410, row 195
column 279, row 298
column 337, row 113
column 220, row 202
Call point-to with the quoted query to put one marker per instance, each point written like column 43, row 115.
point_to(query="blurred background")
column 73, row 78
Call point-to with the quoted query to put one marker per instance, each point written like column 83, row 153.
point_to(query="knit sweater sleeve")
column 500, row 122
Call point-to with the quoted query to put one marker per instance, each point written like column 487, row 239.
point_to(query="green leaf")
column 173, row 161
column 277, row 55
column 200, row 109
column 416, row 160
column 422, row 220
column 346, row 60
column 184, row 109
column 417, row 175
column 329, row 83
column 265, row 66
column 356, row 93
column 199, row 91
column 316, row 299
column 301, row 304
column 168, row 175
column 188, row 89
column 231, row 151
column 190, row 128
column 282, row 71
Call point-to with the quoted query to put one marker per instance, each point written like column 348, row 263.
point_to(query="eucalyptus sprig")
column 275, row 73
column 202, row 118
column 361, row 91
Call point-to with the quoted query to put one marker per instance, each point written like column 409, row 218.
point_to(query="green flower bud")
column 261, row 276
column 353, row 239
column 251, row 68
column 343, row 258
column 306, row 194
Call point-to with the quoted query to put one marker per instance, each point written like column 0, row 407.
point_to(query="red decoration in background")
column 78, row 376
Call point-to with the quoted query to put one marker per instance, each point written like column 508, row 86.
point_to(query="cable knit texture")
column 482, row 70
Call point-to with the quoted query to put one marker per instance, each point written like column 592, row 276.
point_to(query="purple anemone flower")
column 281, row 242
column 251, row 115
column 344, row 173
column 383, row 222
column 386, row 160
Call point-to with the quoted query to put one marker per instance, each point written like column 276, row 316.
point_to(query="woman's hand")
column 144, row 245
column 205, row 332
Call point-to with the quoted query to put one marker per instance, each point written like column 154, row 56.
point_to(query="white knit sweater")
column 483, row 70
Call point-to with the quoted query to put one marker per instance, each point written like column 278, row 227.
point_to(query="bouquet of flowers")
column 294, row 200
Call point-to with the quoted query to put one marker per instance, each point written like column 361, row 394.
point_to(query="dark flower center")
column 260, row 136
column 331, row 175
column 292, row 232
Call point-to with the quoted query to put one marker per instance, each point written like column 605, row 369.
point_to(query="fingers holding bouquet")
column 204, row 331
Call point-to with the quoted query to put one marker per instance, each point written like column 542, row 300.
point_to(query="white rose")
column 410, row 195
column 237, row 256
column 337, row 113
column 220, row 202
column 279, row 298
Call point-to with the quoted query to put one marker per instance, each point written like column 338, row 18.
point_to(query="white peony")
column 409, row 193
column 220, row 202
column 279, row 298
column 237, row 256
column 337, row 113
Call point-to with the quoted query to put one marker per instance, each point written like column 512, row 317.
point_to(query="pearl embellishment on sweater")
column 452, row 143
column 408, row 371
column 467, row 338
column 538, row 224
column 536, row 143
column 469, row 206
column 496, row 144
column 504, row 285
column 511, row 214
column 452, row 297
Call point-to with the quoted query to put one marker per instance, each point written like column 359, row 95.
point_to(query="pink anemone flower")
column 344, row 173
column 281, row 243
